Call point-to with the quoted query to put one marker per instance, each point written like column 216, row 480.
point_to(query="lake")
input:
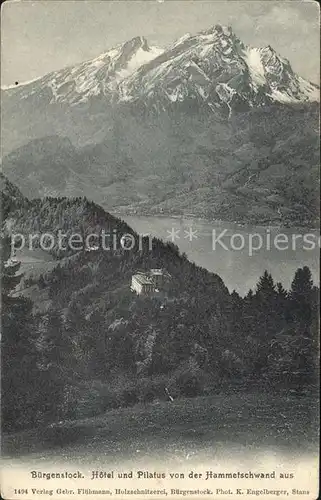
column 225, row 248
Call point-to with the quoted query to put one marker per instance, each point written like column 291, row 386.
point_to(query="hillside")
column 86, row 343
column 11, row 197
column 184, row 430
column 247, row 170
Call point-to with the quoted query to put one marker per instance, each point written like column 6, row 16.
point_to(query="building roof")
column 157, row 271
column 160, row 272
column 143, row 279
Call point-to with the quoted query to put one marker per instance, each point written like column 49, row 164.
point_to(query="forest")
column 81, row 343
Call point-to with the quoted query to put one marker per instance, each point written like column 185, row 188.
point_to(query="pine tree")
column 266, row 287
column 281, row 291
column 19, row 372
column 266, row 320
column 302, row 283
column 281, row 307
column 56, row 365
column 301, row 296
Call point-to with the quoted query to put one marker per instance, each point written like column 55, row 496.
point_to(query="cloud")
column 291, row 15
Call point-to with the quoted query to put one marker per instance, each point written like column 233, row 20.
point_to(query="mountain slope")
column 216, row 68
column 247, row 169
column 95, row 77
column 11, row 197
column 64, row 102
column 208, row 126
column 99, row 346
column 212, row 70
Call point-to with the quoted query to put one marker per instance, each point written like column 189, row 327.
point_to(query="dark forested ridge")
column 76, row 341
column 259, row 167
column 11, row 197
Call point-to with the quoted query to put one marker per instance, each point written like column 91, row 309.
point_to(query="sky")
column 42, row 36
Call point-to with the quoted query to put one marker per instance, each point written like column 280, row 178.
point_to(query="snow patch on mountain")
column 255, row 65
column 20, row 84
column 280, row 96
column 140, row 58
column 181, row 40
column 308, row 89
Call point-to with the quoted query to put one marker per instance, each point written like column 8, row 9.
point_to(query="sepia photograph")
column 160, row 249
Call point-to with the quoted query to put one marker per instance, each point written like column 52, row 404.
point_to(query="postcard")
column 160, row 250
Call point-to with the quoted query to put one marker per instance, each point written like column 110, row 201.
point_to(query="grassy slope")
column 191, row 427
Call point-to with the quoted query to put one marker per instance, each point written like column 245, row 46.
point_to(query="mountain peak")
column 223, row 33
column 138, row 42
column 268, row 51
column 220, row 30
column 212, row 68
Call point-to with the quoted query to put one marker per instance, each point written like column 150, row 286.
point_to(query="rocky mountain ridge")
column 213, row 66
column 208, row 126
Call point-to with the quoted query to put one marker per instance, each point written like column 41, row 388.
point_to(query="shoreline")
column 239, row 223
